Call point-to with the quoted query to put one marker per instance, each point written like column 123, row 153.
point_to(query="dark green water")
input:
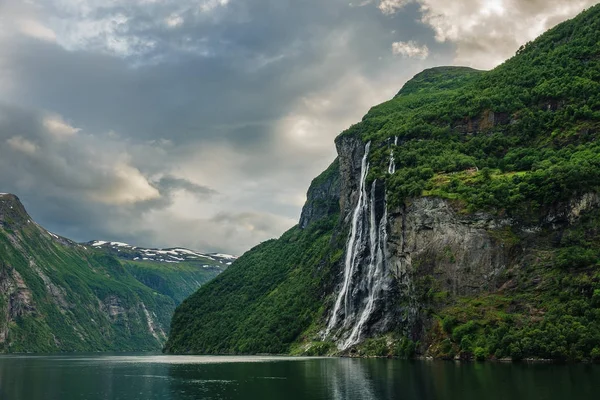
column 147, row 377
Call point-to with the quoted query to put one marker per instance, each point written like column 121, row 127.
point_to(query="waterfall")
column 353, row 244
column 375, row 272
column 392, row 166
column 364, row 272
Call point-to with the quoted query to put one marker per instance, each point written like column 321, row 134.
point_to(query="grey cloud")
column 252, row 221
column 170, row 183
column 487, row 32
column 73, row 164
column 226, row 117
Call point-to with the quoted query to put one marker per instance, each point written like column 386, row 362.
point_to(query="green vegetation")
column 439, row 79
column 66, row 295
column 536, row 115
column 176, row 281
column 60, row 296
column 549, row 308
column 518, row 142
column 264, row 301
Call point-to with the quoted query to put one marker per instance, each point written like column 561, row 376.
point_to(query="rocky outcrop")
column 113, row 307
column 350, row 151
column 12, row 212
column 483, row 123
column 322, row 199
column 15, row 299
column 434, row 248
column 431, row 246
column 428, row 237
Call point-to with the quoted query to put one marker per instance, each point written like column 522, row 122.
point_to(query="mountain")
column 57, row 295
column 174, row 272
column 459, row 220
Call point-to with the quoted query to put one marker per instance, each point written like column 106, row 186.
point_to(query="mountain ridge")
column 59, row 295
column 458, row 221
column 173, row 254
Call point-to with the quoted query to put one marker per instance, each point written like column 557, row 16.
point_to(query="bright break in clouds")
column 201, row 123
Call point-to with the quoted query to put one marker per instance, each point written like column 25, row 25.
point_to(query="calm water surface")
column 149, row 377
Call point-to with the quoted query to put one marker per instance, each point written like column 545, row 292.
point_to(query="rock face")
column 12, row 212
column 322, row 197
column 466, row 226
column 18, row 299
column 424, row 238
column 57, row 295
column 430, row 245
column 429, row 238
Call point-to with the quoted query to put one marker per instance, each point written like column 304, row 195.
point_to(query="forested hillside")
column 459, row 220
column 57, row 295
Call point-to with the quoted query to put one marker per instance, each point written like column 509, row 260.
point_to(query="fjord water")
column 149, row 377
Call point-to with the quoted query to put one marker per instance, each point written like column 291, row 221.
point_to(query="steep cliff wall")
column 439, row 257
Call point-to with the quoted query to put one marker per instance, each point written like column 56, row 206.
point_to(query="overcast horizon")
column 201, row 123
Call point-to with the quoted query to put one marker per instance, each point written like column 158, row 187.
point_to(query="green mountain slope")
column 175, row 272
column 491, row 246
column 263, row 302
column 57, row 295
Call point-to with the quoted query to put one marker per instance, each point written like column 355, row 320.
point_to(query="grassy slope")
column 85, row 278
column 264, row 301
column 539, row 151
column 177, row 281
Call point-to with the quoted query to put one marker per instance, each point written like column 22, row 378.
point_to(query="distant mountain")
column 175, row 272
column 171, row 255
column 461, row 219
column 58, row 295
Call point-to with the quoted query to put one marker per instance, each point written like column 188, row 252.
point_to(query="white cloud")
column 102, row 169
column 106, row 26
column 174, row 20
column 128, row 186
column 210, row 5
column 36, row 30
column 486, row 32
column 59, row 128
column 109, row 34
column 23, row 145
column 391, row 6
column 410, row 49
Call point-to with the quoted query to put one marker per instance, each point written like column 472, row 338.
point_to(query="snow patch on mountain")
column 171, row 255
column 227, row 256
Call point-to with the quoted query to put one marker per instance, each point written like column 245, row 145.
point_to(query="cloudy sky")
column 201, row 123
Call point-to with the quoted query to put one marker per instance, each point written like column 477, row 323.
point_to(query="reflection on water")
column 348, row 379
column 151, row 377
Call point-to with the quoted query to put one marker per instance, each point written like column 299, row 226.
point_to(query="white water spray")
column 377, row 243
column 352, row 246
column 392, row 166
column 365, row 257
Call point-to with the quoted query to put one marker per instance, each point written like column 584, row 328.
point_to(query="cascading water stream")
column 377, row 248
column 392, row 166
column 364, row 267
column 352, row 246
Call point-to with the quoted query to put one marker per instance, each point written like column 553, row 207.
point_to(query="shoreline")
column 416, row 358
